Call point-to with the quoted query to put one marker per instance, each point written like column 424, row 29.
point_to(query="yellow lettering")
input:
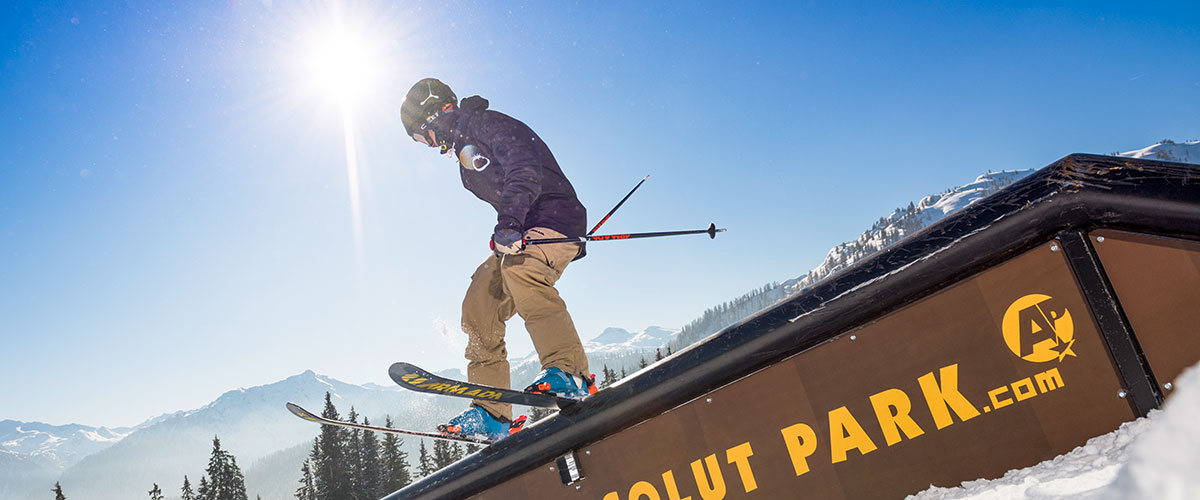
column 715, row 490
column 672, row 490
column 1029, row 391
column 994, row 397
column 408, row 377
column 472, row 393
column 891, row 423
column 642, row 489
column 1049, row 380
column 457, row 389
column 740, row 455
column 612, row 496
column 946, row 397
column 431, row 385
column 845, row 434
column 801, row 443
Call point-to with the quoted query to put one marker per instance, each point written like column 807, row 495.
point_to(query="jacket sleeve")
column 515, row 149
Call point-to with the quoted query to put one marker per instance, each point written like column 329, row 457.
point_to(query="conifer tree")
column 395, row 462
column 658, row 355
column 425, row 465
column 202, row 492
column 443, row 454
column 371, row 476
column 156, row 493
column 459, row 452
column 226, row 480
column 58, row 492
column 610, row 377
column 642, row 362
column 186, row 492
column 330, row 460
column 354, row 459
column 307, row 490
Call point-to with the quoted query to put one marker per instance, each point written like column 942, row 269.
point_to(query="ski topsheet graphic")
column 312, row 417
column 411, row 377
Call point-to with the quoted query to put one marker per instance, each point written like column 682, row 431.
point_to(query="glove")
column 508, row 238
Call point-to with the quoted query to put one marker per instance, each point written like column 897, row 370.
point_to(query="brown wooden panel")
column 752, row 437
column 1157, row 281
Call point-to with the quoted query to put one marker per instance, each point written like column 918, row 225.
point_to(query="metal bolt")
column 588, row 452
column 1099, row 239
column 854, row 337
column 551, row 468
column 1053, row 248
column 578, row 487
column 708, row 400
column 1168, row 386
column 1121, row 394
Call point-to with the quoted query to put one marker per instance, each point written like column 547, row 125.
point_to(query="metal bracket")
column 568, row 469
column 1134, row 371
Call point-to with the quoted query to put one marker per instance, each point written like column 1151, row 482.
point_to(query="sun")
column 342, row 64
column 343, row 57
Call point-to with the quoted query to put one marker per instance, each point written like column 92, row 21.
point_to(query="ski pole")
column 614, row 209
column 711, row 232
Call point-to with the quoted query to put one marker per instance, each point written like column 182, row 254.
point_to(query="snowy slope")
column 903, row 222
column 1156, row 457
column 1167, row 150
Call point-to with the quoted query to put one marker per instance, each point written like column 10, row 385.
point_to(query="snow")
column 1185, row 152
column 1156, row 457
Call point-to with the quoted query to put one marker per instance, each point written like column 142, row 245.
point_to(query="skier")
column 504, row 163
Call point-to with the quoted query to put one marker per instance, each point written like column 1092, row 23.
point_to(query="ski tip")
column 399, row 370
column 301, row 412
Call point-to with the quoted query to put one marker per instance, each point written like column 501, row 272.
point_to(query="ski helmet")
column 425, row 102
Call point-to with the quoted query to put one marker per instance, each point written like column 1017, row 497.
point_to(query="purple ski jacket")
column 504, row 163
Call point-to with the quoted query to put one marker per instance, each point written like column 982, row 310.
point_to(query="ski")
column 414, row 378
column 312, row 417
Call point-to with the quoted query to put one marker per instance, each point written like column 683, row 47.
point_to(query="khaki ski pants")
column 521, row 284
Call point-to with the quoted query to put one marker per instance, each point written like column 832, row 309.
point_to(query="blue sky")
column 178, row 217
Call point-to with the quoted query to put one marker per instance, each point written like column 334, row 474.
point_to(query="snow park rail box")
column 1004, row 335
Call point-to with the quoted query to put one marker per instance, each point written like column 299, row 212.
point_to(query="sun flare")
column 343, row 65
column 343, row 59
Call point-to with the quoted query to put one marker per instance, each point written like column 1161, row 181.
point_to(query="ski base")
column 412, row 377
column 298, row 411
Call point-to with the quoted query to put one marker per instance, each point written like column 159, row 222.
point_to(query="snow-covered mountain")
column 1168, row 150
column 613, row 340
column 62, row 445
column 903, row 222
column 32, row 454
column 252, row 424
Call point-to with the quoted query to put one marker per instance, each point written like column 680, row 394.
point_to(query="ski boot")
column 555, row 381
column 478, row 423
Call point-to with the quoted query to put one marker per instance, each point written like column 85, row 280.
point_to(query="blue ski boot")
column 555, row 381
column 478, row 423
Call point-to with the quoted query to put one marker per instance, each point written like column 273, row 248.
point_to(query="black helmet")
column 424, row 103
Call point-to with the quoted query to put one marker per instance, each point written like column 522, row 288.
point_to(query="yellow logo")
column 1035, row 330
